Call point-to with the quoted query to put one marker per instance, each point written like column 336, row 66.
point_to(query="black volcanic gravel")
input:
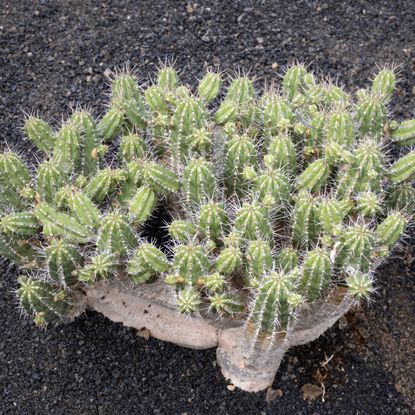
column 53, row 54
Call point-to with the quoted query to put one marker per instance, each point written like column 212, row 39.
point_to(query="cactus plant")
column 277, row 202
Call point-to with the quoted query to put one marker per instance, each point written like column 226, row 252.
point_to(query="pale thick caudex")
column 268, row 211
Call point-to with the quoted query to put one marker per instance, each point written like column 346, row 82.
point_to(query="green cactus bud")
column 115, row 235
column 253, row 222
column 150, row 259
column 198, row 181
column 111, row 123
column 39, row 133
column 188, row 300
column 287, row 259
column 161, row 179
column 391, row 229
column 182, row 231
column 355, row 247
column 103, row 183
column 371, row 117
column 67, row 147
column 282, row 154
column 315, row 175
column 339, row 128
column 239, row 152
column 100, row 267
column 61, row 224
column 330, row 213
column 188, row 115
column 359, row 285
column 50, row 178
column 225, row 303
column 212, row 220
column 316, row 273
column 402, row 197
column 19, row 224
column 209, row 87
column 271, row 311
column 201, row 140
column 384, row 84
column 215, row 282
column 240, row 91
column 228, row 260
column 304, row 221
column 226, row 113
column 404, row 133
column 43, row 301
column 88, row 141
column 20, row 252
column 368, row 204
column 167, row 78
column 293, row 80
column 403, row 169
column 63, row 260
column 190, row 262
column 83, row 209
column 142, row 205
column 259, row 258
column 273, row 183
column 131, row 148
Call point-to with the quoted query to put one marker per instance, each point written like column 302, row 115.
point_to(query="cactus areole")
column 281, row 203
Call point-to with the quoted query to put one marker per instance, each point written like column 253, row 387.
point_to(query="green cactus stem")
column 198, row 181
column 188, row 300
column 57, row 223
column 20, row 224
column 253, row 222
column 89, row 141
column 209, row 87
column 39, row 133
column 142, row 205
column 359, row 284
column 403, row 169
column 317, row 272
column 404, row 133
column 115, row 234
column 229, row 260
column 44, row 301
column 101, row 266
column 391, row 229
column 190, row 262
column 63, row 260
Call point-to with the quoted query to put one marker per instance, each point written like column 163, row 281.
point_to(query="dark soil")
column 53, row 54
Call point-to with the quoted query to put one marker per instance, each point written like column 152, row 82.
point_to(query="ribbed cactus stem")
column 39, row 133
column 43, row 301
column 63, row 260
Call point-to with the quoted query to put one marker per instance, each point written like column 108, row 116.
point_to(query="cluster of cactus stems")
column 275, row 198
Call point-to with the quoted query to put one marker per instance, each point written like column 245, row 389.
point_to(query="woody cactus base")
column 280, row 206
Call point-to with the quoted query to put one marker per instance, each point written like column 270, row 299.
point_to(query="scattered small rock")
column 311, row 392
column 144, row 333
column 231, row 387
column 273, row 394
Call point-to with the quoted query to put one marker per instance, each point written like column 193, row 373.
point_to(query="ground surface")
column 53, row 54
